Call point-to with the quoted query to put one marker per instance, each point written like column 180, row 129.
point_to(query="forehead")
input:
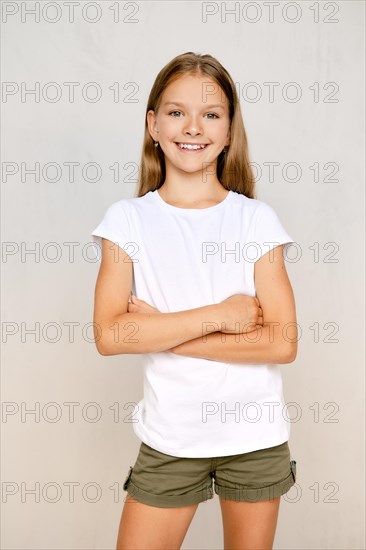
column 191, row 91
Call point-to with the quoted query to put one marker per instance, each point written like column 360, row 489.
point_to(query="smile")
column 195, row 148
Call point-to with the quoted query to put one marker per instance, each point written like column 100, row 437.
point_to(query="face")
column 193, row 110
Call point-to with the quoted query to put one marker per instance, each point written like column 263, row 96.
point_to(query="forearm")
column 267, row 344
column 134, row 333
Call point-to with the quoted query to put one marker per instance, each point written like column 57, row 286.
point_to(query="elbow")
column 105, row 340
column 113, row 342
column 106, row 351
column 98, row 340
column 101, row 350
column 289, row 353
column 288, row 345
column 103, row 345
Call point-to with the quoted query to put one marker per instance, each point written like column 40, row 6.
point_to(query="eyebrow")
column 182, row 105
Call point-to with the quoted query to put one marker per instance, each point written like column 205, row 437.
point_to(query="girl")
column 211, row 310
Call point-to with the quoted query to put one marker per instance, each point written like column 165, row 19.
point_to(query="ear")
column 152, row 125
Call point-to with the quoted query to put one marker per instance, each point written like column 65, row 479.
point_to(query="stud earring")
column 224, row 149
column 156, row 143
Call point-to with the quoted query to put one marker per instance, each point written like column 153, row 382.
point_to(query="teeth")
column 184, row 146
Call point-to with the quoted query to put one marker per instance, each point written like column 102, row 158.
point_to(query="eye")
column 214, row 114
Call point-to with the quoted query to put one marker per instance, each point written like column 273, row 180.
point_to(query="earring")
column 156, row 143
column 224, row 149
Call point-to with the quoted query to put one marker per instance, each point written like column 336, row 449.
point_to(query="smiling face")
column 194, row 111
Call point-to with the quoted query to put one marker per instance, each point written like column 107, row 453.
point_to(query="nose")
column 192, row 127
column 192, row 131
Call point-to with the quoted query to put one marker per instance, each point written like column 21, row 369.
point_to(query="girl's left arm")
column 276, row 341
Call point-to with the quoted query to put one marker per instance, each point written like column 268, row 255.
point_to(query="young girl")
column 211, row 310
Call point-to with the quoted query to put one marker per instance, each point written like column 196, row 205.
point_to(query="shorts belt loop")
column 127, row 478
column 293, row 469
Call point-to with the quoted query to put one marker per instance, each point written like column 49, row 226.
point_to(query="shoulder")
column 252, row 207
column 127, row 206
column 131, row 204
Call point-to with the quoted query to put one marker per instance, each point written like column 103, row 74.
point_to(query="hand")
column 240, row 314
column 140, row 306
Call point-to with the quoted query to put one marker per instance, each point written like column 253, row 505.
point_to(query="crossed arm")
column 274, row 342
column 263, row 345
column 199, row 334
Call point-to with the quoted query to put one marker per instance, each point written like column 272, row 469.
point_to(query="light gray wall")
column 323, row 213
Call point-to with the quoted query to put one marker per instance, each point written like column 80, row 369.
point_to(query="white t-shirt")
column 184, row 259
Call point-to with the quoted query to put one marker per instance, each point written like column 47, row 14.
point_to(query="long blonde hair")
column 233, row 169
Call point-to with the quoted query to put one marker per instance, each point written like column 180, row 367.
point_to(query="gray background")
column 51, row 288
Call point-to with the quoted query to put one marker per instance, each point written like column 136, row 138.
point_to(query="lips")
column 195, row 150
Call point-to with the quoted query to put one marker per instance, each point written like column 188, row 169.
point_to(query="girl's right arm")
column 118, row 331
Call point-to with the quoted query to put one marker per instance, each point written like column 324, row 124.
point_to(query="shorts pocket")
column 125, row 485
column 293, row 469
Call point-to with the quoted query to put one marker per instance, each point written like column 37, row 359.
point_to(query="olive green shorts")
column 166, row 481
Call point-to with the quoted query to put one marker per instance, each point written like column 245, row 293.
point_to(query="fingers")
column 260, row 316
column 137, row 300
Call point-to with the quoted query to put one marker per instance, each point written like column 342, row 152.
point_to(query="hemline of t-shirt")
column 218, row 452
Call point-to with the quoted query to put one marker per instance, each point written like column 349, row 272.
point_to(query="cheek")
column 168, row 127
column 220, row 130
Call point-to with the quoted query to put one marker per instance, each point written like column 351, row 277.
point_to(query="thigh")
column 165, row 481
column 250, row 488
column 249, row 525
column 150, row 527
column 256, row 476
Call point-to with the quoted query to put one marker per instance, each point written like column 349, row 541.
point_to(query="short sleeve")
column 268, row 230
column 114, row 227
